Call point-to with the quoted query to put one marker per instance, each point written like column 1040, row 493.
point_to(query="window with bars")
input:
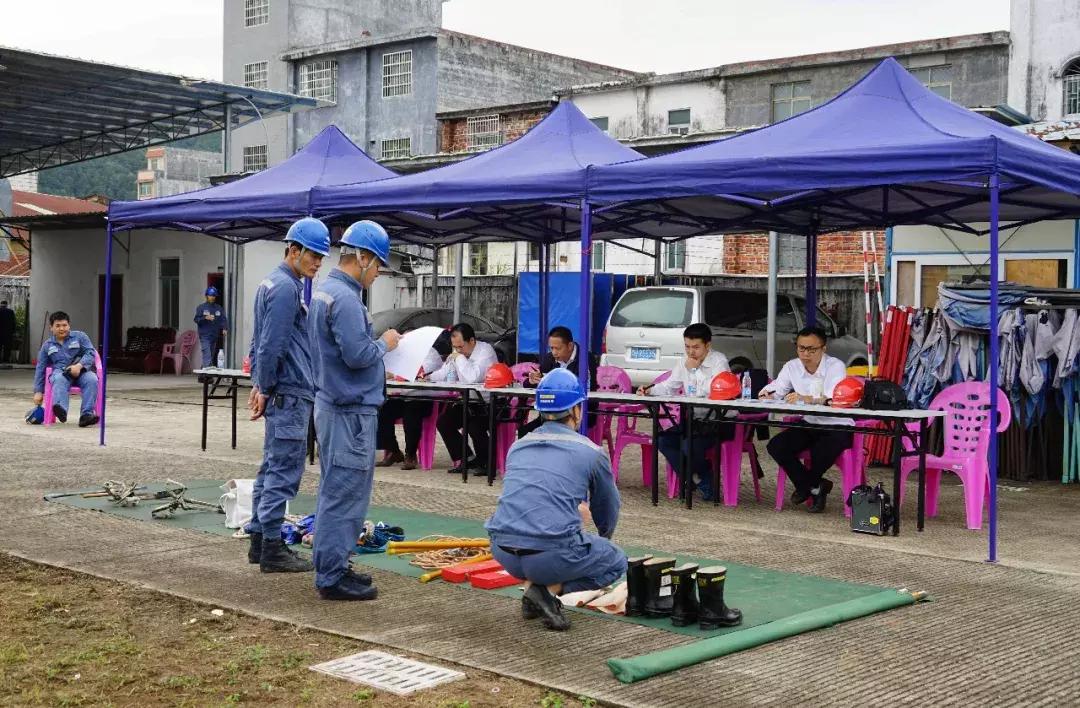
column 318, row 79
column 599, row 255
column 396, row 148
column 678, row 121
column 254, row 158
column 169, row 292
column 482, row 132
column 936, row 78
column 790, row 99
column 146, row 190
column 256, row 12
column 675, row 256
column 1071, row 85
column 255, row 74
column 397, row 73
column 478, row 258
column 600, row 122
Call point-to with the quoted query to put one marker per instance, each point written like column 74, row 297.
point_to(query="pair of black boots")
column 687, row 594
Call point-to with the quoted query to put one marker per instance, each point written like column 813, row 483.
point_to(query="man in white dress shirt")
column 468, row 364
column 412, row 413
column 692, row 377
column 810, row 379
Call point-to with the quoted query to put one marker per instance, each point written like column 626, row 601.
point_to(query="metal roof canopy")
column 55, row 110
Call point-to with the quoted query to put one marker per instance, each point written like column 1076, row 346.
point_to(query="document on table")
column 406, row 359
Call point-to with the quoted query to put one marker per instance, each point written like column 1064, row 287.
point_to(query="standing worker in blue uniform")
column 350, row 381
column 557, row 479
column 70, row 354
column 283, row 390
column 212, row 323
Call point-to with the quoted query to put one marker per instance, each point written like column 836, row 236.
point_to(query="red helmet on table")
column 498, row 376
column 725, row 386
column 848, row 393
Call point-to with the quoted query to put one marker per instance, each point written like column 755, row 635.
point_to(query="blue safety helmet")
column 311, row 234
column 35, row 416
column 369, row 236
column 212, row 291
column 558, row 391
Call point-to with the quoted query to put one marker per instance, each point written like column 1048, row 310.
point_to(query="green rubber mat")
column 762, row 594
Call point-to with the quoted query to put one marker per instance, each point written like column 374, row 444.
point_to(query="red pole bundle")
column 893, row 360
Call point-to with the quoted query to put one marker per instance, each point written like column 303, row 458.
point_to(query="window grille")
column 482, row 132
column 397, row 73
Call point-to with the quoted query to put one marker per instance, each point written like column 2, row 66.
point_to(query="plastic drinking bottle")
column 746, row 384
column 220, row 359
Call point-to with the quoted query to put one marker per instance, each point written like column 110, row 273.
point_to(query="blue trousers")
column 61, row 390
column 284, row 449
column 347, row 468
column 589, row 563
column 209, row 350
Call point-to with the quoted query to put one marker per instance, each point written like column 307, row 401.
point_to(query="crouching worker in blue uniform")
column 71, row 356
column 555, row 478
column 349, row 380
column 283, row 391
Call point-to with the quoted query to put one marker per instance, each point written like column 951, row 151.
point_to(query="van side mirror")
column 841, row 331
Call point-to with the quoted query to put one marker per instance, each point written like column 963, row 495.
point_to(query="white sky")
column 185, row 37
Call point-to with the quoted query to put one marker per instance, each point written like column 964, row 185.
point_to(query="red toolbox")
column 461, row 572
column 493, row 579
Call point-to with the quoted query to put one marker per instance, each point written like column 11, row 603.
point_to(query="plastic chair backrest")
column 967, row 412
column 522, row 371
column 187, row 341
column 612, row 379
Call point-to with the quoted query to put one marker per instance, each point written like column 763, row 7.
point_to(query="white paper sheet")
column 406, row 359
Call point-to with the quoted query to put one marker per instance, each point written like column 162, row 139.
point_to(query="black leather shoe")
column 59, row 412
column 88, row 419
column 824, row 488
column 255, row 548
column 276, row 557
column 529, row 610
column 348, row 588
column 549, row 607
column 362, row 578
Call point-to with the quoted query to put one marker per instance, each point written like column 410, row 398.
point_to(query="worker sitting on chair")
column 811, row 379
column 562, row 354
column 212, row 324
column 71, row 356
column 467, row 364
column 556, row 480
column 693, row 375
column 412, row 412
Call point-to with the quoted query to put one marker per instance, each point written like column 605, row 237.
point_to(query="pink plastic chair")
column 179, row 351
column 731, row 454
column 627, row 433
column 966, row 446
column 47, row 402
column 851, row 463
column 506, row 432
column 610, row 379
column 425, row 453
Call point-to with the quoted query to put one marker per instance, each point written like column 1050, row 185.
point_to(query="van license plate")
column 644, row 354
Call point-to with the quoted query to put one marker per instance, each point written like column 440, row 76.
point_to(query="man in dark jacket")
column 562, row 354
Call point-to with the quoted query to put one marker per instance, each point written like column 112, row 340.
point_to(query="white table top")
column 434, row 386
column 214, row 371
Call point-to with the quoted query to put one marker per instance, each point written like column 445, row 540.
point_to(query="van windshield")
column 654, row 308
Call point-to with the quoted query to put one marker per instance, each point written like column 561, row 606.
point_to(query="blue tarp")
column 564, row 305
column 261, row 205
column 885, row 151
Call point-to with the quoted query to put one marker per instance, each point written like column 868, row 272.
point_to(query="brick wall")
column 452, row 132
column 838, row 253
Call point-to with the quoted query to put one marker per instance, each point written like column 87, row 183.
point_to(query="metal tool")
column 179, row 500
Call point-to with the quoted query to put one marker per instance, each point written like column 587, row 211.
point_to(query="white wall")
column 1042, row 236
column 1045, row 37
column 638, row 111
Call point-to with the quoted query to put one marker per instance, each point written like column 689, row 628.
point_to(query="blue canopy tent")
column 256, row 207
column 885, row 152
column 531, row 189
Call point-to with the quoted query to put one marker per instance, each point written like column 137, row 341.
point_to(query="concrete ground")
column 995, row 634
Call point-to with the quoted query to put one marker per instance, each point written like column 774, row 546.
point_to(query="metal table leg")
column 654, row 411
column 235, row 385
column 686, row 453
column 492, row 437
column 923, row 443
column 465, row 436
column 205, row 408
column 897, row 459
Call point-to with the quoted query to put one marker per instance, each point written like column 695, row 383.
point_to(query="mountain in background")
column 113, row 176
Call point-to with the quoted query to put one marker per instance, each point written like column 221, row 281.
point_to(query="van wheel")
column 739, row 365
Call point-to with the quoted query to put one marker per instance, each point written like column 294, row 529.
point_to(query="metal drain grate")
column 387, row 672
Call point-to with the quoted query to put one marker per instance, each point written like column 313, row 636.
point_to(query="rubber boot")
column 684, row 605
column 278, row 558
column 547, row 607
column 658, row 587
column 637, row 590
column 713, row 613
column 255, row 549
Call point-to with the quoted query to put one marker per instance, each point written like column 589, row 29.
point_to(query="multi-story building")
column 172, row 170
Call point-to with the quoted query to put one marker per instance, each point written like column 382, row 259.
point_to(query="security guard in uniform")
column 349, row 379
column 212, row 323
column 283, row 391
column 555, row 480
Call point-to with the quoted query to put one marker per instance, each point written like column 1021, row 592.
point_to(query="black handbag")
column 884, row 395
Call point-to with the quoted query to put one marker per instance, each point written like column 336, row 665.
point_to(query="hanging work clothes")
column 1066, row 346
column 929, row 363
column 1011, row 337
column 919, row 324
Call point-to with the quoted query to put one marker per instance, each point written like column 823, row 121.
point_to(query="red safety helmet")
column 725, row 386
column 498, row 376
column 848, row 393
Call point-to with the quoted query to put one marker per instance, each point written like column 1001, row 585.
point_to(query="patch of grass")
column 587, row 702
column 364, row 695
column 11, row 654
column 552, row 700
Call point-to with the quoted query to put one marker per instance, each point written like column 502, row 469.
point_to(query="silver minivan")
column 644, row 332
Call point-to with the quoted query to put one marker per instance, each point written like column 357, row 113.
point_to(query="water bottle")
column 451, row 375
column 746, row 385
column 220, row 359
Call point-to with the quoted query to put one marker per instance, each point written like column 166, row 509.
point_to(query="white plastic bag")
column 236, row 501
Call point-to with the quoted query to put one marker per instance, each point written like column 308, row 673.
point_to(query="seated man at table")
column 468, row 364
column 412, row 412
column 562, row 354
column 810, row 379
column 70, row 354
column 693, row 376
column 556, row 481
